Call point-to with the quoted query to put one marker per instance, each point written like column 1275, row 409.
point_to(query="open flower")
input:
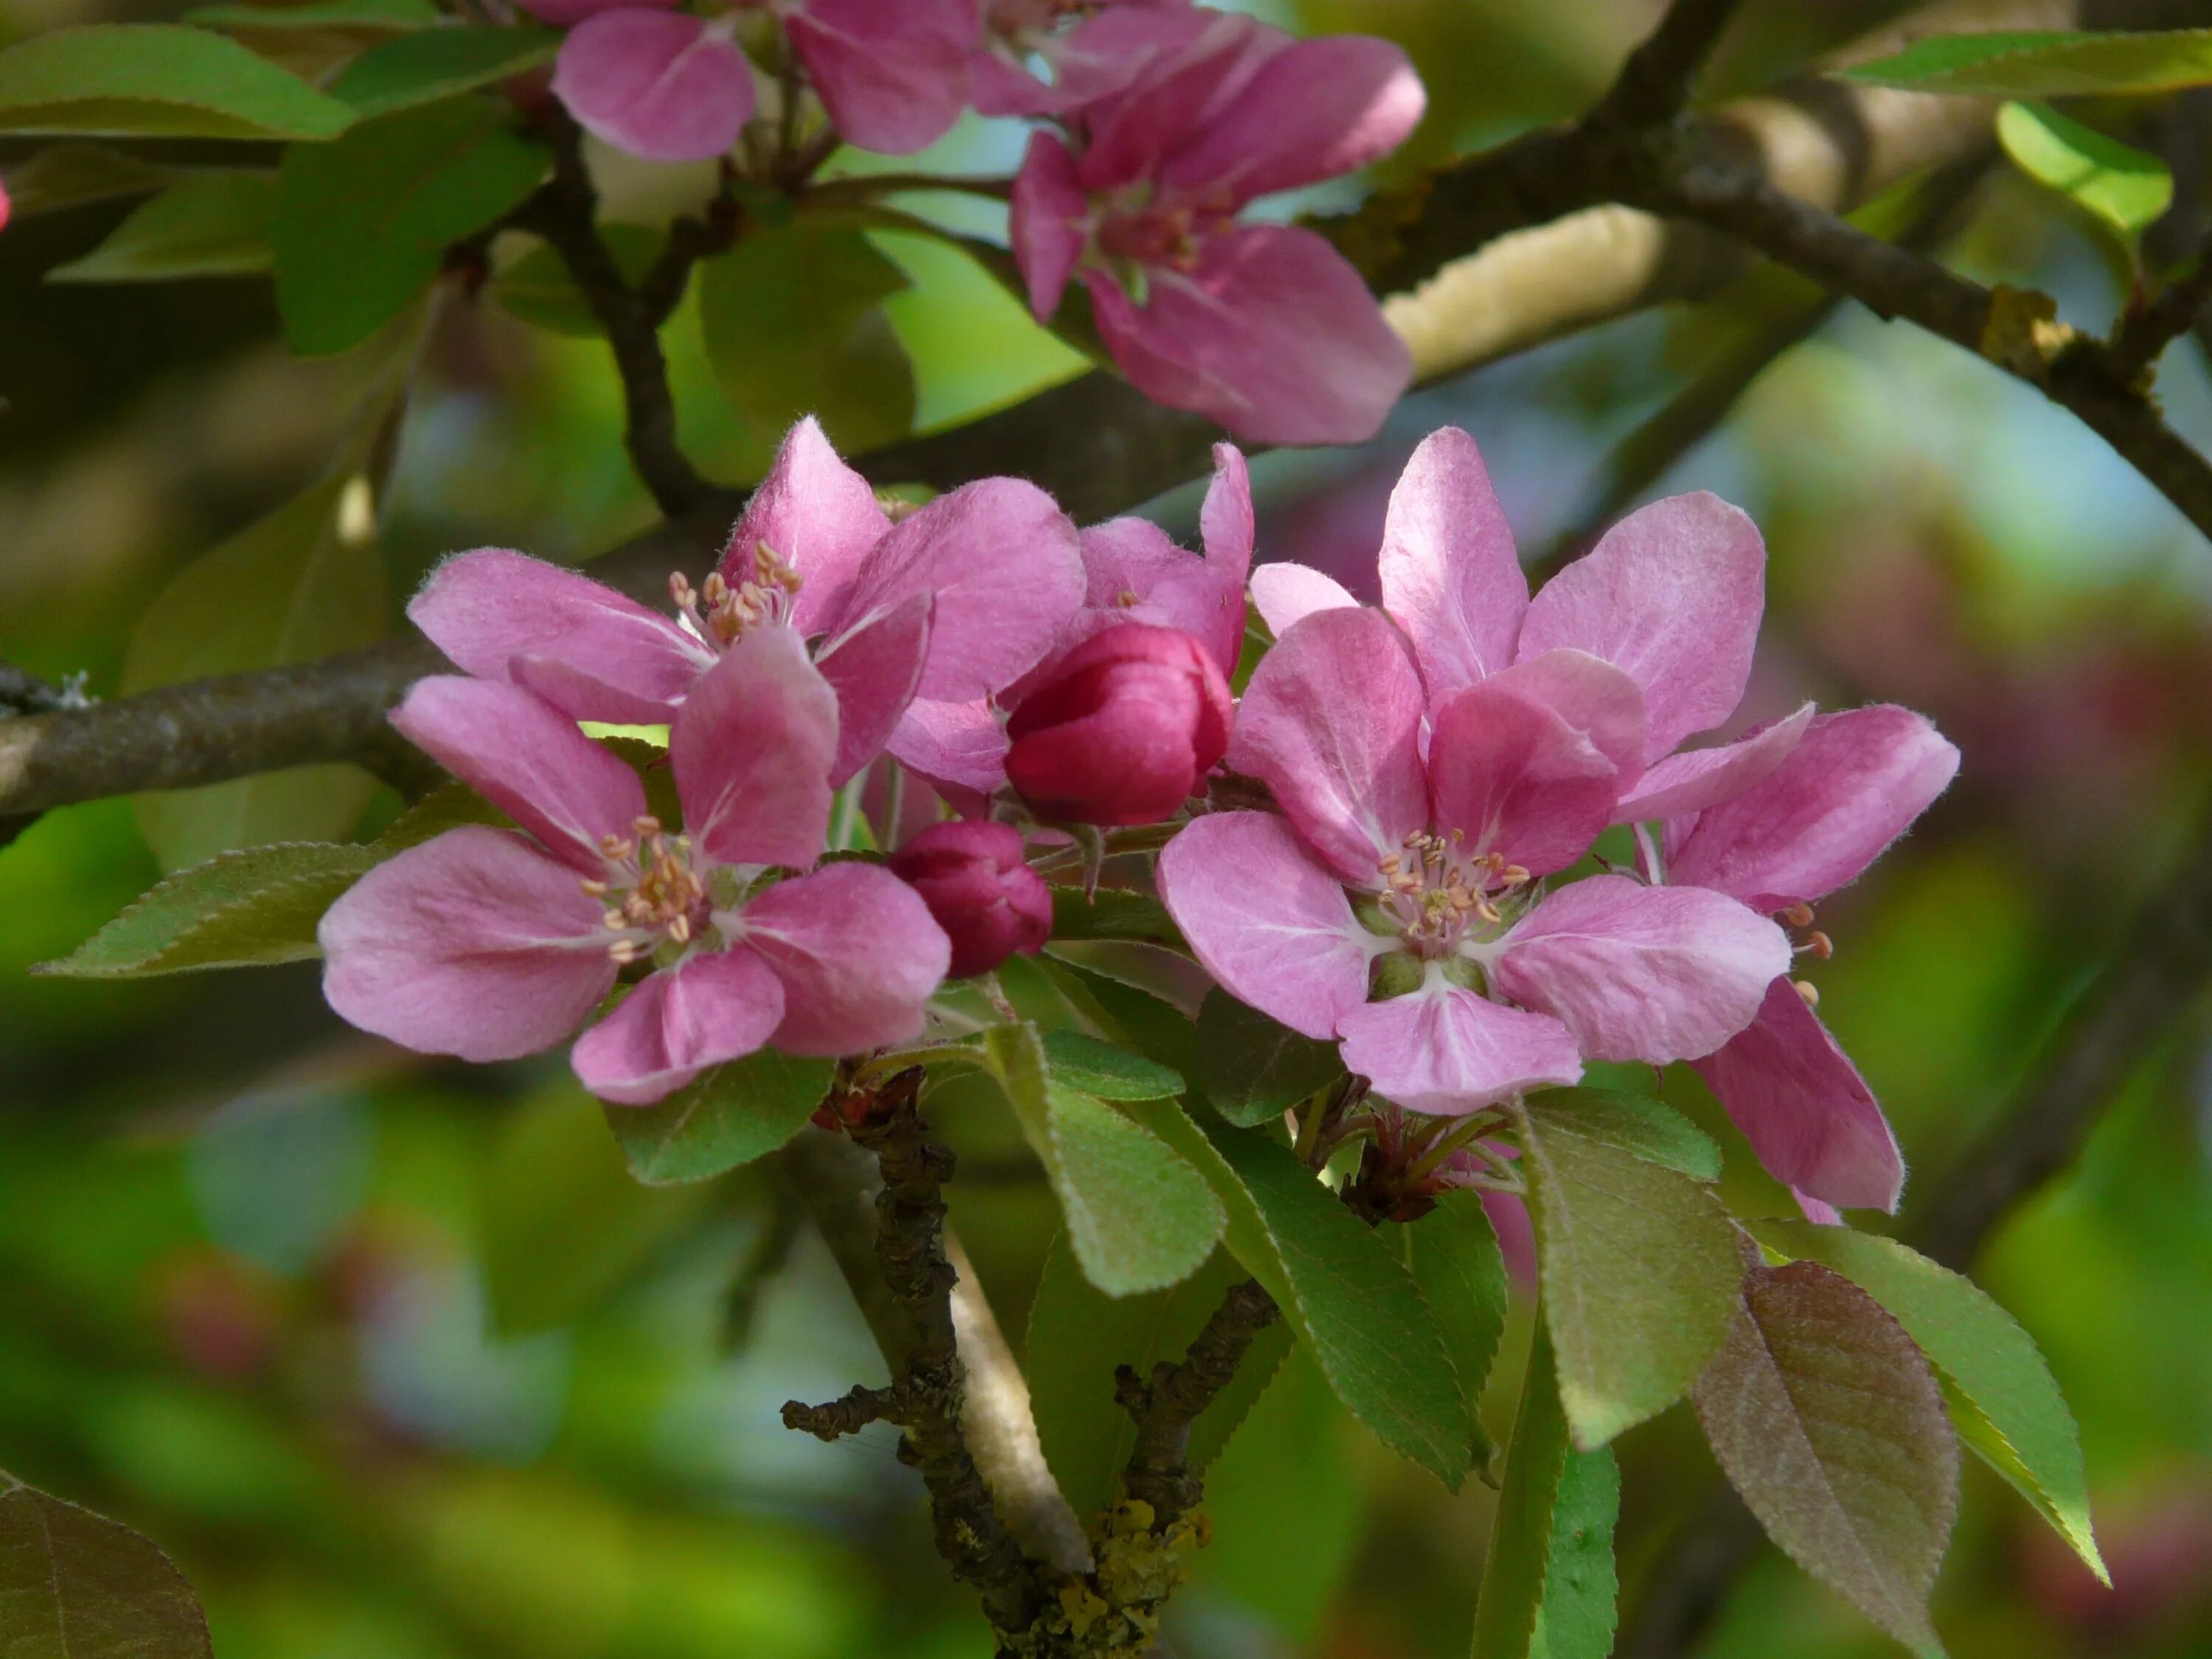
column 1174, row 120
column 1394, row 906
column 1850, row 786
column 950, row 604
column 1017, row 34
column 650, row 79
column 492, row 944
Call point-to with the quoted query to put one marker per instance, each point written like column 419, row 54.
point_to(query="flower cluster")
column 1387, row 844
column 1161, row 121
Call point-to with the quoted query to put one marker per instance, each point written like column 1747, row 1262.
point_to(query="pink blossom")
column 1395, row 904
column 659, row 83
column 893, row 74
column 955, row 602
column 490, row 945
column 1123, row 729
column 1849, row 785
column 1017, row 31
column 1175, row 120
column 973, row 877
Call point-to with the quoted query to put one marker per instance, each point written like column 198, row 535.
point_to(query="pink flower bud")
column 1121, row 729
column 988, row 902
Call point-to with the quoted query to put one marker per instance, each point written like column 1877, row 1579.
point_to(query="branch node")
column 849, row 1415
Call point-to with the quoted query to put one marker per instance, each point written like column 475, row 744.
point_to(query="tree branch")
column 1654, row 84
column 1158, row 1471
column 2157, row 972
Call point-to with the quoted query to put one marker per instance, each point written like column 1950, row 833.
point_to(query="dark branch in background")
column 1654, row 84
column 565, row 213
column 25, row 693
column 1165, row 1406
column 2155, row 974
column 2145, row 333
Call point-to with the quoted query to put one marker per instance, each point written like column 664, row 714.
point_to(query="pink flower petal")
column 1002, row 560
column 1142, row 82
column 1654, row 973
column 817, row 515
column 1698, row 778
column 1286, row 593
column 1805, row 1108
column 1450, row 571
column 1313, row 111
column 752, row 748
column 1671, row 594
column 1133, row 573
column 528, row 761
column 1048, row 222
column 658, row 84
column 1228, row 531
column 893, row 74
column 859, row 954
column 960, row 744
column 1593, row 696
column 874, row 670
column 1331, row 723
column 1445, row 1051
column 1266, row 921
column 474, row 944
column 1269, row 332
column 593, row 654
column 1509, row 773
column 713, row 1006
column 1853, row 784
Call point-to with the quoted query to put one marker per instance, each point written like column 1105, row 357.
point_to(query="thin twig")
column 2143, row 334
column 22, row 692
column 1165, row 1406
column 1654, row 84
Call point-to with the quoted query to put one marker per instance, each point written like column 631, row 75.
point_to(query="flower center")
column 721, row 613
column 1433, row 892
column 656, row 902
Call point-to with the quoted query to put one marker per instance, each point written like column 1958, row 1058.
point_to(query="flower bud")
column 988, row 902
column 1121, row 729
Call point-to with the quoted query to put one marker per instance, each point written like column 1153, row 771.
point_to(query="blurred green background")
column 393, row 1358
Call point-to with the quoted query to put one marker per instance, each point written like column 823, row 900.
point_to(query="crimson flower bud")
column 989, row 902
column 1121, row 729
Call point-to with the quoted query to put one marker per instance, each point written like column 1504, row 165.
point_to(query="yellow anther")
column 615, row 921
column 679, row 929
column 646, row 824
column 1820, row 944
column 594, row 889
column 1808, row 991
column 1125, row 597
column 1799, row 914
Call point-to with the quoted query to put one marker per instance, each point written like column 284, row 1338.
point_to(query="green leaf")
column 1139, row 1217
column 305, row 582
column 156, row 81
column 362, row 225
column 1254, row 1069
column 1109, row 1072
column 793, row 322
column 2005, row 1403
column 75, row 1585
column 1548, row 1580
column 447, row 807
column 69, row 175
column 1077, row 1336
column 2048, row 64
column 214, row 224
column 239, row 909
column 1639, row 1271
column 421, row 69
column 560, row 1223
column 1453, row 1254
column 1167, row 976
column 2122, row 187
column 730, row 1115
column 1638, row 1125
column 1111, row 913
column 1582, row 1586
column 1352, row 1303
column 1829, row 1421
column 321, row 15
column 538, row 288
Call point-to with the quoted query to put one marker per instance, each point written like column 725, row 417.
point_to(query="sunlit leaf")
column 1253, row 1069
column 1582, row 1585
column 2005, row 1403
column 1352, row 1303
column 215, row 224
column 362, row 225
column 1102, row 1069
column 1139, row 1216
column 304, row 582
column 157, row 80
column 727, row 1116
column 1636, row 1124
column 1077, row 1336
column 793, row 322
column 1639, row 1271
column 436, row 63
column 1830, row 1422
column 1111, row 913
column 539, row 288
column 321, row 15
column 2048, row 64
column 2124, row 188
column 74, row 1585
column 1454, row 1259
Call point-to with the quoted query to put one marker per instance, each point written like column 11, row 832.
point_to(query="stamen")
column 1799, row 914
column 1818, row 945
column 1808, row 991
